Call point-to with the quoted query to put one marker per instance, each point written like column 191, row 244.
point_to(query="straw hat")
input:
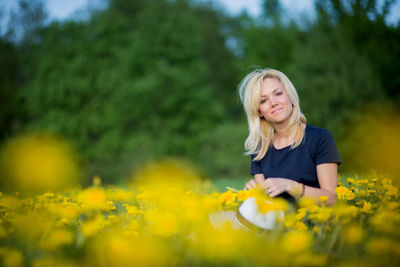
column 247, row 218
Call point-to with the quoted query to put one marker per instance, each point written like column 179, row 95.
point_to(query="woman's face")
column 275, row 105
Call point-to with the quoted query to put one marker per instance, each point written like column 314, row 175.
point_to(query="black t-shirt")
column 299, row 164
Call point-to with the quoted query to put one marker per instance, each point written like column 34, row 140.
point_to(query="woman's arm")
column 327, row 178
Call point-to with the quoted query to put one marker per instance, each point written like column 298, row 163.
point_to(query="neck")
column 282, row 131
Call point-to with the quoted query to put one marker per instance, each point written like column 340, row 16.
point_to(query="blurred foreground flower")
column 38, row 163
column 164, row 220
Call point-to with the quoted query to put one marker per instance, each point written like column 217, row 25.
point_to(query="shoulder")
column 317, row 137
column 317, row 133
column 323, row 145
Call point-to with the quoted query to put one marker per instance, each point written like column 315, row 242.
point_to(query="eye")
column 278, row 93
column 263, row 101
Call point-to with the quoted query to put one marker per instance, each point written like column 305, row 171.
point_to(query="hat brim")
column 222, row 218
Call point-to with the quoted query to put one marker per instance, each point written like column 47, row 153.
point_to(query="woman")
column 290, row 158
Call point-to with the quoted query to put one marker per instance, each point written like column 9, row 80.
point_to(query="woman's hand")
column 250, row 184
column 258, row 181
column 327, row 178
column 276, row 186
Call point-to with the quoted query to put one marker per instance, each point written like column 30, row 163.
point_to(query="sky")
column 62, row 9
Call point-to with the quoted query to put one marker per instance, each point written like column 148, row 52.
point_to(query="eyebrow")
column 272, row 92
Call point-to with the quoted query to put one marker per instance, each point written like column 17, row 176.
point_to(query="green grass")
column 222, row 183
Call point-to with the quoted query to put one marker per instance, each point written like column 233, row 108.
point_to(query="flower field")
column 162, row 219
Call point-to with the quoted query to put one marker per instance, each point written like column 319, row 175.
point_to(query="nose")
column 273, row 101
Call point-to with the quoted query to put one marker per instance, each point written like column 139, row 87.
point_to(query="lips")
column 276, row 110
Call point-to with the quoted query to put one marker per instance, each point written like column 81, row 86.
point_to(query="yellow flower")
column 323, row 199
column 391, row 191
column 366, row 207
column 69, row 210
column 163, row 223
column 300, row 215
column 300, row 226
column 350, row 195
column 242, row 195
column 91, row 227
column 207, row 241
column 353, row 234
column 316, row 229
column 93, row 198
column 265, row 205
column 359, row 183
column 56, row 239
column 296, row 242
column 323, row 215
column 290, row 220
column 133, row 210
column 227, row 198
column 110, row 205
column 119, row 250
column 386, row 221
column 39, row 162
column 63, row 222
column 12, row 258
column 346, row 213
column 386, row 181
column 351, row 181
column 49, row 195
column 341, row 192
column 9, row 202
column 279, row 204
column 393, row 206
column 306, row 202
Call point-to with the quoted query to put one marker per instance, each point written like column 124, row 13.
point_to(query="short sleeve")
column 255, row 167
column 326, row 150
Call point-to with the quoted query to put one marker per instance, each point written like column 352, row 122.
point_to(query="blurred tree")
column 20, row 28
column 364, row 22
column 153, row 78
column 8, row 86
column 266, row 41
column 24, row 22
column 332, row 77
column 272, row 12
column 131, row 86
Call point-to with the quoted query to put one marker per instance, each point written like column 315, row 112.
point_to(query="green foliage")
column 8, row 84
column 142, row 80
column 363, row 23
column 330, row 77
column 116, row 80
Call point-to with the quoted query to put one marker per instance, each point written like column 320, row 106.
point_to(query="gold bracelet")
column 303, row 190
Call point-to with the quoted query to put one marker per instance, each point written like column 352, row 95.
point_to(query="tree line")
column 142, row 80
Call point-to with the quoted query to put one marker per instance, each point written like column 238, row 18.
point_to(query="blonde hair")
column 261, row 132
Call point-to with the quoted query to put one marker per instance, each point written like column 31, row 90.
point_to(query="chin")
column 280, row 120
